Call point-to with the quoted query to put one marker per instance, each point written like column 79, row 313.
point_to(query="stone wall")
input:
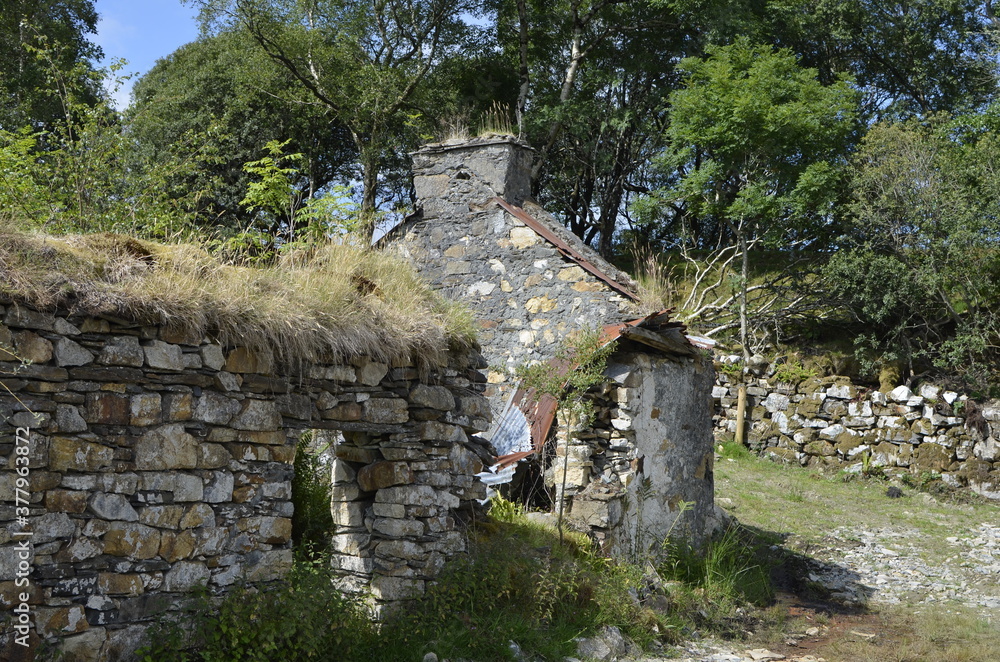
column 644, row 470
column 528, row 287
column 527, row 296
column 832, row 422
column 156, row 462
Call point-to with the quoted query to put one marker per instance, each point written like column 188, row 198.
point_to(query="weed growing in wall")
column 792, row 372
column 577, row 367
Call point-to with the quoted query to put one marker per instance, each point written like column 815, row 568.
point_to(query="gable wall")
column 526, row 295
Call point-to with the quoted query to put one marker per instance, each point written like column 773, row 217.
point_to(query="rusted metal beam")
column 564, row 248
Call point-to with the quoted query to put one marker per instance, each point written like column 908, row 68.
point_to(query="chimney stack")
column 450, row 176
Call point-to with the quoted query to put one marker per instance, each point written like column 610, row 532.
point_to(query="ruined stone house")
column 643, row 469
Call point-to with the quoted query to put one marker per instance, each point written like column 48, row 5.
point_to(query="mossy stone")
column 931, row 457
column 890, row 376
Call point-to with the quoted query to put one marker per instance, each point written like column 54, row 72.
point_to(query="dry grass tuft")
column 657, row 290
column 333, row 302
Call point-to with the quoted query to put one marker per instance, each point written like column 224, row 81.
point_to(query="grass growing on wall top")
column 332, row 301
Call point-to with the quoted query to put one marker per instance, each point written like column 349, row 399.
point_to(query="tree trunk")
column 369, row 181
column 523, row 71
column 576, row 55
column 614, row 192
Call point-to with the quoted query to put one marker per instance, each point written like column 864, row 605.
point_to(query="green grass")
column 518, row 583
column 952, row 635
column 804, row 505
column 801, row 507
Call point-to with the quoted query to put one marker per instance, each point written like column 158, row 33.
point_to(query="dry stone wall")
column 645, row 468
column 834, row 422
column 156, row 462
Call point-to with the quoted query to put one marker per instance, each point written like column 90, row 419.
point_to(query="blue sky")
column 142, row 31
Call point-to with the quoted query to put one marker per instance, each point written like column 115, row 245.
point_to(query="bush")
column 302, row 618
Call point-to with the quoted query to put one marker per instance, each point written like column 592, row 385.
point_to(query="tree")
column 594, row 76
column 364, row 62
column 756, row 143
column 60, row 29
column 919, row 266
column 907, row 57
column 235, row 100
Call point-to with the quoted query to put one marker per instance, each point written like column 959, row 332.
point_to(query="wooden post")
column 741, row 414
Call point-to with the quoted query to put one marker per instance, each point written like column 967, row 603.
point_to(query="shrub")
column 302, row 618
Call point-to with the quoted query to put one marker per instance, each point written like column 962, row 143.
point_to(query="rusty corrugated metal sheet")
column 563, row 247
column 541, row 412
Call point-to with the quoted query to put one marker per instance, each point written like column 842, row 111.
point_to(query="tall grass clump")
column 330, row 301
column 518, row 583
column 496, row 120
column 730, row 571
column 657, row 290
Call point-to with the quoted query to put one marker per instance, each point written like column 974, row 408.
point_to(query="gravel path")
column 885, row 566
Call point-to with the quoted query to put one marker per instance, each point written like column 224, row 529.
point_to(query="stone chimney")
column 449, row 177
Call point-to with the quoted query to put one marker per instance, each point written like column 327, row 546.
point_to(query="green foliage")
column 312, row 523
column 366, row 65
column 733, row 370
column 792, row 372
column 235, row 99
column 577, row 367
column 921, row 481
column 303, row 618
column 907, row 57
column 62, row 29
column 22, row 196
column 756, row 149
column 919, row 268
column 273, row 192
column 77, row 174
column 314, row 221
column 516, row 584
column 757, row 141
column 869, row 470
